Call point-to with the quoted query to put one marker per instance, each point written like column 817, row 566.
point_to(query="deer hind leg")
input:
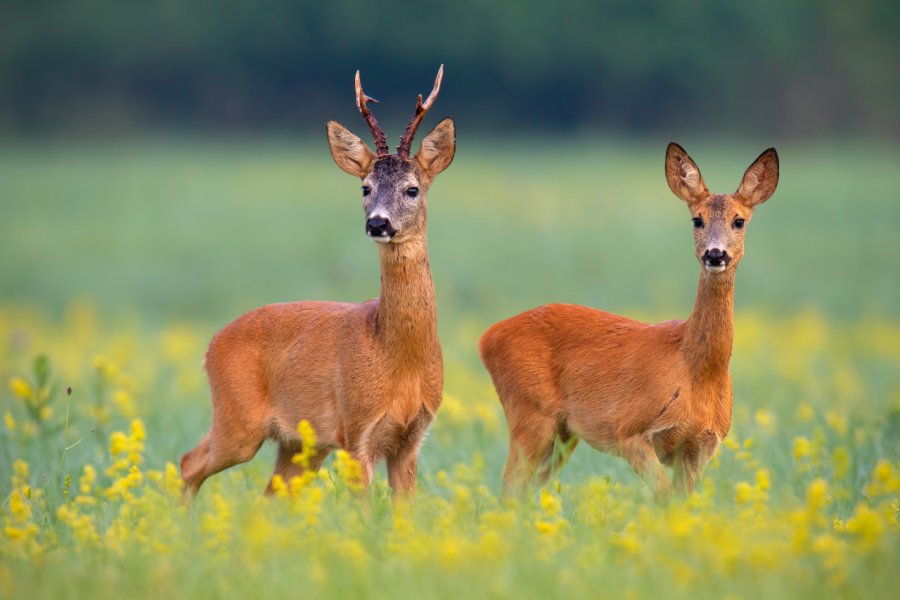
column 697, row 453
column 287, row 469
column 234, row 438
column 641, row 455
column 192, row 464
column 564, row 443
column 402, row 468
column 530, row 452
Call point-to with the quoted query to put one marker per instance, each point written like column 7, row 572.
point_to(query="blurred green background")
column 167, row 160
column 657, row 66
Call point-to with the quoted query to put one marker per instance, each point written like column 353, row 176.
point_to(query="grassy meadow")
column 119, row 260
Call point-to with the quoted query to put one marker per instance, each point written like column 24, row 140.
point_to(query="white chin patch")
column 382, row 239
column 715, row 269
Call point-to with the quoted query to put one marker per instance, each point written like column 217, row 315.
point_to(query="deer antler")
column 381, row 144
column 421, row 109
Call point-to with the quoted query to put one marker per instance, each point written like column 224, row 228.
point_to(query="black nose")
column 378, row 227
column 716, row 257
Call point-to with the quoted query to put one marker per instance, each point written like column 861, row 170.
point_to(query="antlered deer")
column 652, row 394
column 368, row 377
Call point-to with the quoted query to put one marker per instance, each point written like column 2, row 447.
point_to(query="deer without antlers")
column 368, row 377
column 652, row 394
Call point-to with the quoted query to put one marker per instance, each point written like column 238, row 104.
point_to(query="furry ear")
column 437, row 148
column 760, row 179
column 683, row 175
column 349, row 152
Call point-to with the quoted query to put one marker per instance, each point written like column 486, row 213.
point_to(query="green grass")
column 207, row 230
column 169, row 239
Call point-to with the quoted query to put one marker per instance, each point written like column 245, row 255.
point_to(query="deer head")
column 394, row 185
column 720, row 219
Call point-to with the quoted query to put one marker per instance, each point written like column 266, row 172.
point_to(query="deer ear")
column 760, row 179
column 349, row 152
column 683, row 175
column 437, row 148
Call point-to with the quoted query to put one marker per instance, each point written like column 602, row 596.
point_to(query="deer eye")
column 698, row 222
column 366, row 190
column 738, row 223
column 412, row 192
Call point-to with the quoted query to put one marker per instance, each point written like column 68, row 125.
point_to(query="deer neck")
column 709, row 331
column 406, row 316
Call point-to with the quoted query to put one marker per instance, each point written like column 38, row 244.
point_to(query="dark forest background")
column 800, row 67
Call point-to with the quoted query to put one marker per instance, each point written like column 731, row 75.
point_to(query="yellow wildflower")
column 817, row 495
column 348, row 469
column 124, row 403
column 866, row 525
column 21, row 388
column 886, row 476
column 765, row 419
column 279, row 488
column 836, row 422
column 135, row 478
column 550, row 503
column 803, row 448
column 548, row 527
column 19, row 508
column 138, row 433
column 173, row 482
column 217, row 523
column 118, row 443
column 626, row 541
column 763, row 481
column 308, row 444
column 743, row 492
column 805, row 412
column 87, row 480
column 20, row 473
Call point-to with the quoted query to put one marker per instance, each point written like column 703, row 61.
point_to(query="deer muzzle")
column 380, row 229
column 715, row 260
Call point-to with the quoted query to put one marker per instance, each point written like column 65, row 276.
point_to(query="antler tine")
column 381, row 144
column 421, row 109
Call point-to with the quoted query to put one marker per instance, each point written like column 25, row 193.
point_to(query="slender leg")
column 697, row 453
column 641, row 455
column 564, row 444
column 238, row 428
column 402, row 465
column 681, row 468
column 402, row 468
column 215, row 453
column 530, row 449
column 192, row 467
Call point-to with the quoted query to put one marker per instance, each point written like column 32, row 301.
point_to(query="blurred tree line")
column 783, row 66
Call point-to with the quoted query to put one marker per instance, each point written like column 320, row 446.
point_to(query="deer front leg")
column 402, row 468
column 402, row 464
column 694, row 458
column 641, row 455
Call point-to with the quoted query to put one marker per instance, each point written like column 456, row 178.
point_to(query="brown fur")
column 652, row 394
column 368, row 376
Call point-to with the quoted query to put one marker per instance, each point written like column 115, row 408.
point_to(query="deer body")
column 652, row 394
column 368, row 377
